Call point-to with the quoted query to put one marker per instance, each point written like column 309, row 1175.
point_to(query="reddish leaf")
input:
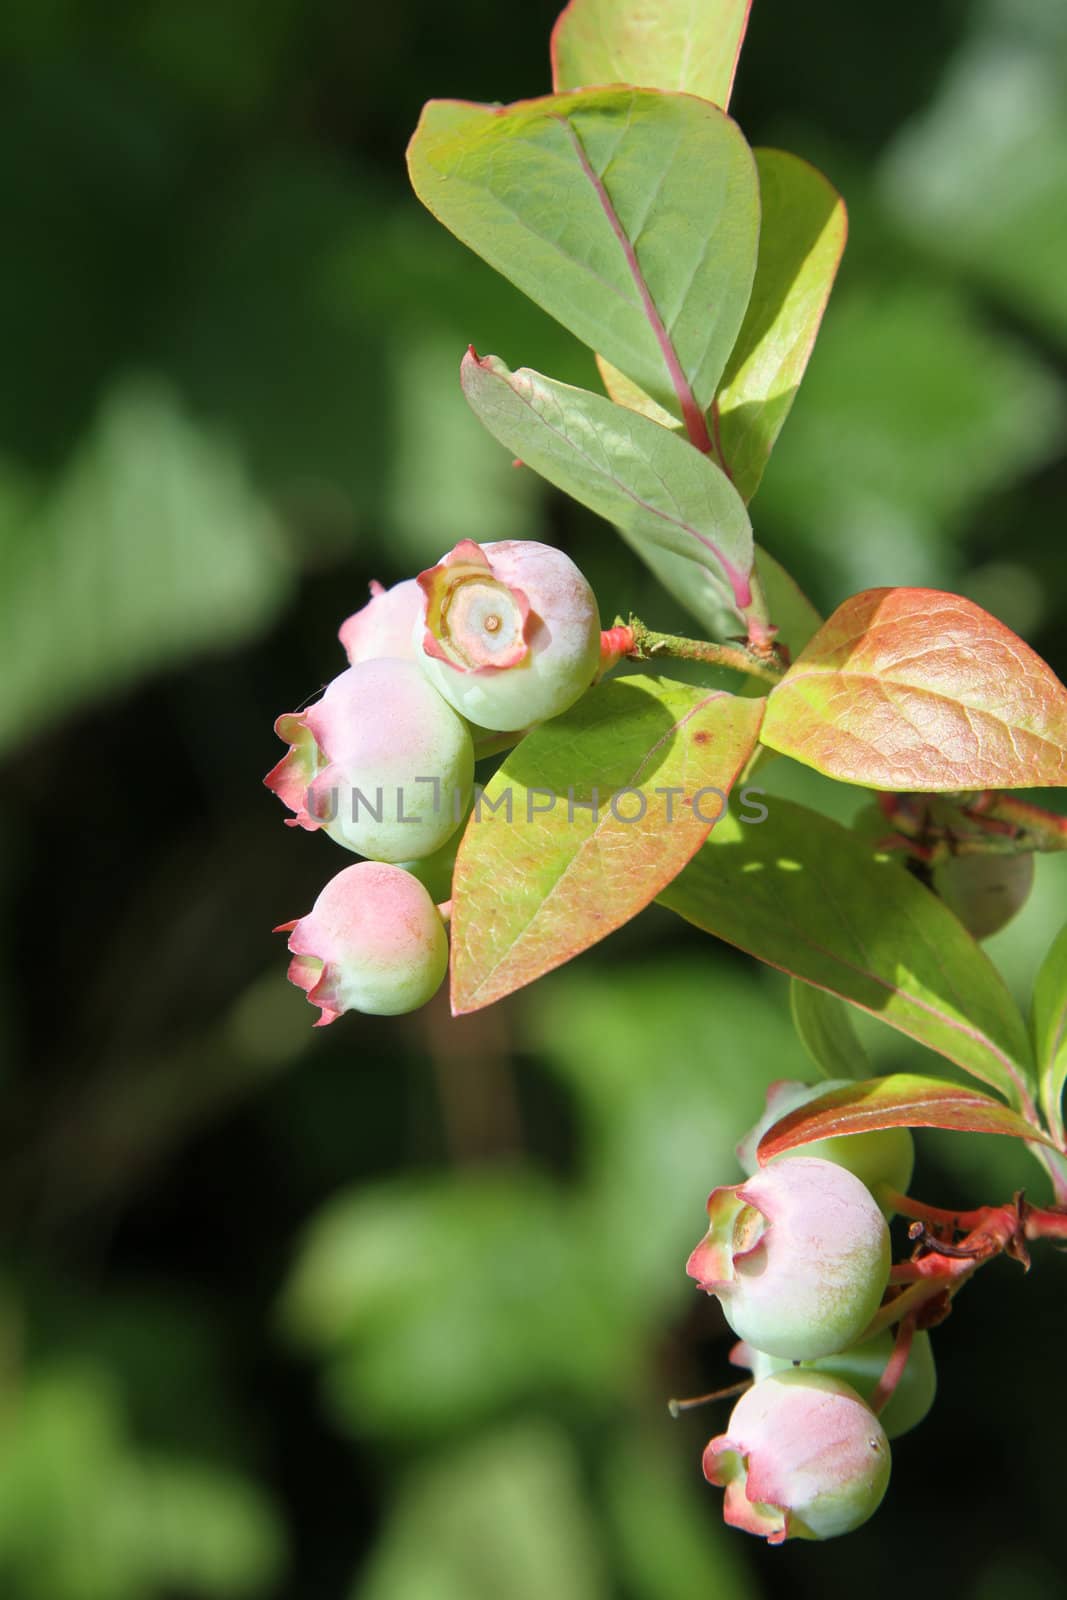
column 899, row 1101
column 914, row 689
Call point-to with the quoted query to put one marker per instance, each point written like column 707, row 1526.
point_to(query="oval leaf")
column 898, row 1101
column 630, row 215
column 802, row 236
column 540, row 877
column 674, row 44
column 805, row 895
column 1050, row 1030
column 661, row 494
column 914, row 689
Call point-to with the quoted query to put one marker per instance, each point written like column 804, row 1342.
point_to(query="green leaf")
column 827, row 1033
column 689, row 45
column 802, row 236
column 151, row 546
column 1049, row 1027
column 913, row 689
column 805, row 895
column 632, row 216
column 661, row 494
column 899, row 1101
column 540, row 878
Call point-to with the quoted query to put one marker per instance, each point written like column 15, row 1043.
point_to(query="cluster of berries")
column 491, row 640
column 798, row 1256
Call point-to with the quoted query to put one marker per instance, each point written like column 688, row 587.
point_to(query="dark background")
column 391, row 1310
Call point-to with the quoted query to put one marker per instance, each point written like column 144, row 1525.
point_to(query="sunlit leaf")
column 541, row 877
column 898, row 1101
column 805, row 895
column 631, row 215
column 690, row 45
column 661, row 494
column 913, row 689
column 802, row 235
column 1050, row 1029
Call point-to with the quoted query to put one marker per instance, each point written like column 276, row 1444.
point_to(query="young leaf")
column 913, row 689
column 805, row 895
column 1050, row 1030
column 802, row 236
column 631, row 215
column 690, row 45
column 659, row 492
column 540, row 876
column 826, row 1031
column 898, row 1101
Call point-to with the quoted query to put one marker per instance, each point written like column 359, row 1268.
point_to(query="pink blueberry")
column 509, row 632
column 862, row 1366
column 381, row 762
column 798, row 1256
column 802, row 1458
column 385, row 625
column 373, row 941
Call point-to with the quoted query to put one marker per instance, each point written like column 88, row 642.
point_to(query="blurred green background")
column 390, row 1311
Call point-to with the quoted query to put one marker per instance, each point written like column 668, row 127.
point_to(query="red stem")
column 916, row 1209
column 894, row 1367
column 614, row 644
column 1039, row 1223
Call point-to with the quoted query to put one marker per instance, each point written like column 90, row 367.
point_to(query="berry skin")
column 373, row 941
column 802, row 1458
column 509, row 632
column 381, row 763
column 887, row 1156
column 862, row 1365
column 798, row 1256
column 985, row 892
column 385, row 625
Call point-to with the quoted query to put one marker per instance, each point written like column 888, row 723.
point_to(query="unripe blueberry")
column 802, row 1458
column 887, row 1156
column 798, row 1255
column 385, row 626
column 381, row 763
column 985, row 892
column 373, row 941
column 862, row 1366
column 510, row 632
